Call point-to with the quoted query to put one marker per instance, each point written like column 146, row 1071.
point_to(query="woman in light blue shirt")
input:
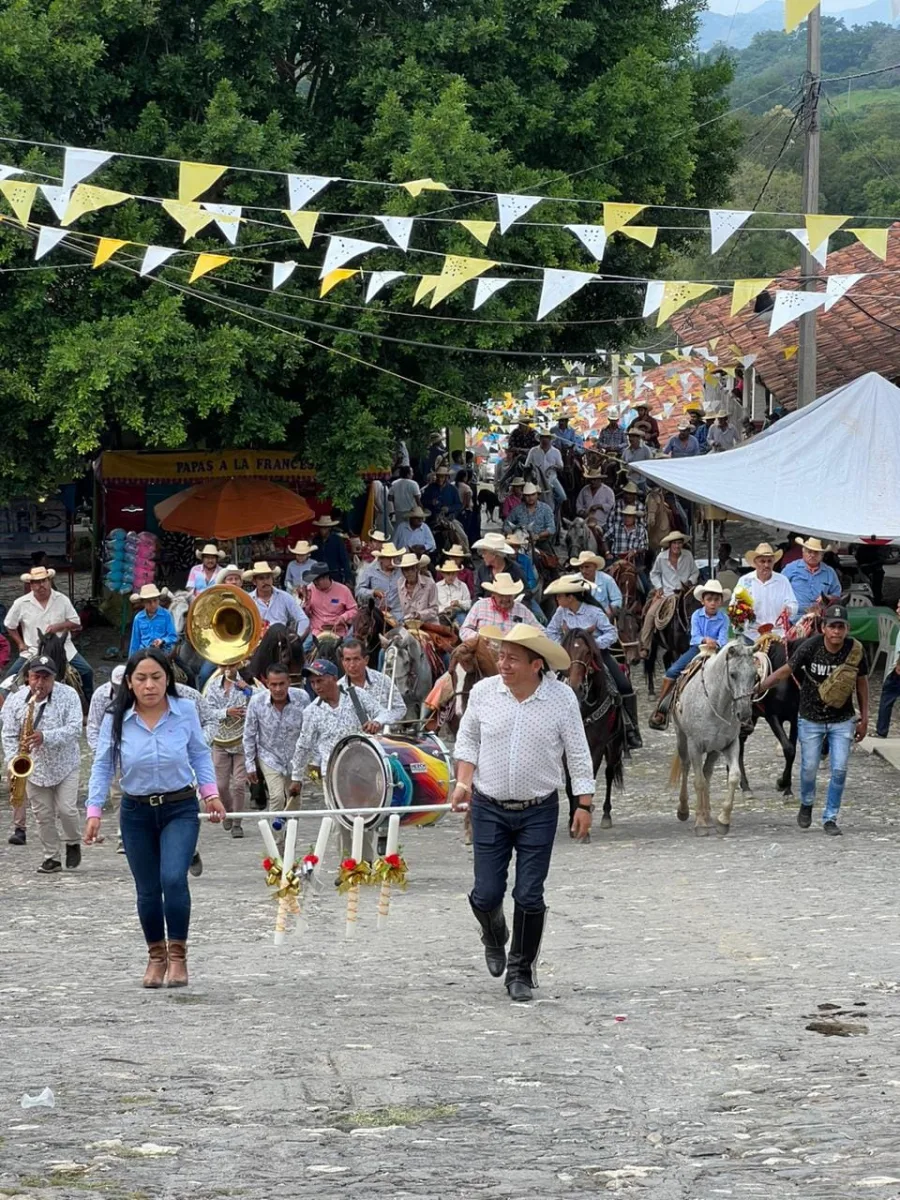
column 153, row 738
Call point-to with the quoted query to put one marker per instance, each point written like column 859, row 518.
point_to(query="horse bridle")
column 734, row 699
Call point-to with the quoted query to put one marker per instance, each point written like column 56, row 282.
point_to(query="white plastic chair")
column 857, row 600
column 888, row 641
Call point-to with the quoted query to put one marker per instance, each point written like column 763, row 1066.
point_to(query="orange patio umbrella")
column 232, row 508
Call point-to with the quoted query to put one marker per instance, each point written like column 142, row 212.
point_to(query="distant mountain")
column 739, row 31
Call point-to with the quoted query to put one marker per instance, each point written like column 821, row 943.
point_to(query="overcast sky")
column 728, row 6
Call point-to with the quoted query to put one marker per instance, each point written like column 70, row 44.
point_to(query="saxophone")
column 22, row 765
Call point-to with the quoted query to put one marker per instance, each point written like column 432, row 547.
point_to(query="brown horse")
column 628, row 622
column 604, row 722
column 368, row 626
column 674, row 638
column 660, row 517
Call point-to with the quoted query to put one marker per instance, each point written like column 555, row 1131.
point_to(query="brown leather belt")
column 517, row 805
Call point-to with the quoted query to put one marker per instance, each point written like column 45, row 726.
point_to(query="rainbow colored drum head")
column 381, row 771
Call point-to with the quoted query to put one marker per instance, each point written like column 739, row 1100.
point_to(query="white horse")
column 178, row 607
column 708, row 716
column 406, row 664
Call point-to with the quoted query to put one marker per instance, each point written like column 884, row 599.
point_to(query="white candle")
column 356, row 851
column 321, row 846
column 268, row 838
column 384, row 895
column 284, row 905
column 393, row 836
column 359, row 826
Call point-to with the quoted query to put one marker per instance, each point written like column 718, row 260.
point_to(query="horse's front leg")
column 701, row 787
column 606, row 819
column 745, row 782
column 788, row 749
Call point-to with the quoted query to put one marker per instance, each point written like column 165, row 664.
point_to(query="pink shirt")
column 198, row 580
column 335, row 607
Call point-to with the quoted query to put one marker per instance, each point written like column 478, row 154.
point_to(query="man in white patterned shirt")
column 518, row 728
column 271, row 728
column 357, row 671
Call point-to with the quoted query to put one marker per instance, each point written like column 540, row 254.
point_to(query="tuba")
column 22, row 765
column 224, row 626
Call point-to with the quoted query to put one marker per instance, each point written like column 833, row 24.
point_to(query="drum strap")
column 357, row 705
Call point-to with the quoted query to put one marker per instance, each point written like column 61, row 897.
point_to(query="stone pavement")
column 669, row 1054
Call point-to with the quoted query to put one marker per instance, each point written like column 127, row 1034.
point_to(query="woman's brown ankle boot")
column 156, row 965
column 176, row 975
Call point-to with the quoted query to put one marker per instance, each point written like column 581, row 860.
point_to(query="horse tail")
column 675, row 769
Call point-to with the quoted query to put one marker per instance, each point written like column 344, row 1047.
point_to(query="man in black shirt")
column 828, row 668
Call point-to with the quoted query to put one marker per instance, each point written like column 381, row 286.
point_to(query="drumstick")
column 356, row 852
column 384, row 896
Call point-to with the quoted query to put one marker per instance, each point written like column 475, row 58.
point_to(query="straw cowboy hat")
column 629, row 511
column 442, row 470
column 449, row 568
column 229, row 569
column 424, row 561
column 693, row 407
column 491, row 541
column 410, row 560
column 517, row 538
column 674, row 536
column 592, row 474
column 567, row 585
column 684, row 426
column 388, row 550
column 456, row 551
column 209, row 551
column 637, row 433
column 262, row 568
column 712, row 585
column 417, row 512
column 148, row 592
column 302, row 547
column 765, row 550
column 531, row 639
column 531, row 489
column 36, row 574
column 630, row 488
column 375, row 535
column 325, row 522
column 812, row 544
column 588, row 556
column 505, row 585
column 518, row 481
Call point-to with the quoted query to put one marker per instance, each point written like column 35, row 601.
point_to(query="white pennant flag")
column 281, row 272
column 231, row 222
column 654, row 297
column 342, row 249
column 789, row 306
column 838, row 286
column 7, row 172
column 400, row 229
column 591, row 236
column 511, row 208
column 302, row 188
column 657, row 358
column 485, row 288
column 380, row 279
column 155, row 256
column 723, row 223
column 747, row 361
column 47, row 239
column 559, row 286
column 57, row 198
column 81, row 163
column 820, row 253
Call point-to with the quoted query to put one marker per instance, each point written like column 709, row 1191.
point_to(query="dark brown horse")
column 368, row 626
column 604, row 722
column 673, row 639
column 628, row 622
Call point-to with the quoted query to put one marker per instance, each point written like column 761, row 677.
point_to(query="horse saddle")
column 432, row 656
column 545, row 560
column 445, row 637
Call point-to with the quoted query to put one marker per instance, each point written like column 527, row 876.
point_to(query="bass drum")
column 369, row 771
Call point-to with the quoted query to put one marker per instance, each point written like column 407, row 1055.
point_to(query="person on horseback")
column 202, row 576
column 533, row 515
column 330, row 606
column 596, row 500
column 564, row 437
column 277, row 607
column 501, row 607
column 497, row 557
column 413, row 534
column 604, row 589
column 671, row 573
column 636, row 451
column 459, row 555
column 774, row 602
column 43, row 610
column 810, row 577
column 514, row 499
column 682, row 444
column 613, row 436
column 453, row 596
column 546, row 460
column 441, row 496
column 417, row 590
column 523, row 437
column 647, row 426
column 579, row 610
column 525, row 564
column 358, row 673
column 333, row 551
column 709, row 632
column 302, row 561
column 153, row 626
column 380, row 579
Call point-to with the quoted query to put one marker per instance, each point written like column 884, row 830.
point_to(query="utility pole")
column 806, row 357
column 614, row 379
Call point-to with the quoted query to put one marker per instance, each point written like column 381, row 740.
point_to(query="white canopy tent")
column 831, row 469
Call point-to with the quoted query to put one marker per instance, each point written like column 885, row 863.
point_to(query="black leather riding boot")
column 633, row 738
column 494, row 936
column 521, row 967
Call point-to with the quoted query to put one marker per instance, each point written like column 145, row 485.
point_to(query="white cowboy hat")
column 567, row 585
column 262, row 568
column 683, row 426
column 388, row 550
column 517, row 481
column 674, row 536
column 532, row 639
column 517, row 538
column 449, row 567
column 456, row 551
column 588, row 556
column 812, row 543
column 118, row 674
column 505, row 585
column 763, row 549
column 531, row 489
column 229, row 569
column 417, row 512
column 629, row 511
column 630, row 488
column 302, row 547
column 36, row 574
column 492, row 541
column 409, row 560
column 325, row 522
column 712, row 585
column 424, row 561
column 638, row 433
column 593, row 474
column 375, row 535
column 148, row 592
column 209, row 551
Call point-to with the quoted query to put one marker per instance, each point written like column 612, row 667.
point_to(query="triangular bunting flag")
column 796, row 11
column 228, row 219
column 86, row 198
column 58, row 199
column 8, row 172
column 480, row 230
column 790, row 352
column 653, row 297
column 400, row 229
column 657, row 358
column 20, row 197
column 415, row 187
column 281, row 272
column 342, row 249
column 615, row 216
column 511, row 208
column 81, row 163
column 380, row 279
column 820, row 228
column 837, row 286
column 874, row 240
column 789, row 306
column 333, row 278
column 196, row 178
column 591, row 236
column 207, row 262
column 485, row 288
column 820, row 253
column 304, row 223
column 302, row 188
column 191, row 217
column 676, row 295
column 155, row 256
column 559, row 286
column 641, row 233
column 746, row 290
column 456, row 271
column 426, row 285
column 48, row 237
column 106, row 248
column 723, row 223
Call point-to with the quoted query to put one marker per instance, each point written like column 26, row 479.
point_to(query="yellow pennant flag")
column 106, row 248
column 615, row 216
column 86, row 198
column 745, row 290
column 333, row 278
column 796, row 11
column 713, row 342
column 206, row 263
column 191, row 217
column 676, row 295
column 790, row 351
column 20, row 197
column 427, row 284
column 641, row 233
column 196, row 178
column 415, row 187
column 480, row 230
column 820, row 228
column 456, row 271
column 304, row 222
column 875, row 240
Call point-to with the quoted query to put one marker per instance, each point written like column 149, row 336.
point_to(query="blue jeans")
column 159, row 845
column 890, row 693
column 495, row 834
column 811, row 736
column 680, row 663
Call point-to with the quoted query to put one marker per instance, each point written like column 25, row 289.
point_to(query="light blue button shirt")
column 606, row 591
column 282, row 609
column 372, row 578
column 715, row 627
column 605, row 634
column 145, row 630
column 810, row 585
